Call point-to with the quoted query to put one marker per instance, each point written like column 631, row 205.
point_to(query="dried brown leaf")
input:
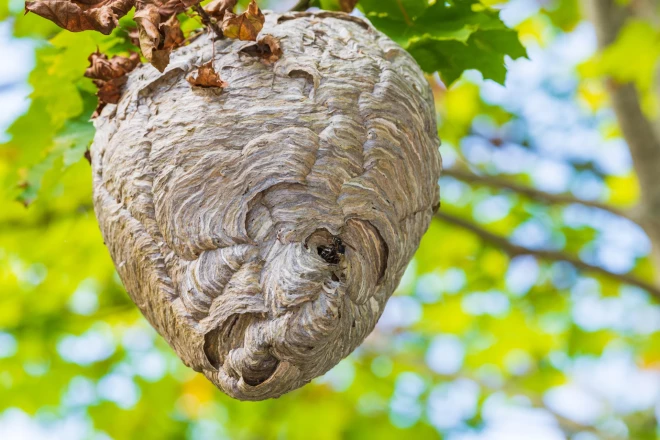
column 147, row 19
column 171, row 30
column 109, row 92
column 157, row 38
column 271, row 48
column 245, row 26
column 347, row 5
column 168, row 8
column 109, row 76
column 206, row 77
column 99, row 15
column 100, row 67
column 217, row 8
column 134, row 36
column 267, row 48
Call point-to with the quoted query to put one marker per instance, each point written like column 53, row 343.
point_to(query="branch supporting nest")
column 514, row 250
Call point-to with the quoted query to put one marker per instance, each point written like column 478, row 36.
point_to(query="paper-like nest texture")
column 261, row 228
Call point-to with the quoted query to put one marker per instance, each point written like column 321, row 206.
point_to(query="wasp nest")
column 262, row 227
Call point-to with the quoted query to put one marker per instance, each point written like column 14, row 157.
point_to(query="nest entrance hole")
column 329, row 247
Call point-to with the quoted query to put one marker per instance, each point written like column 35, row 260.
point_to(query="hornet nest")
column 261, row 227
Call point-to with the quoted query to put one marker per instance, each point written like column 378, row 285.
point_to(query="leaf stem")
column 406, row 18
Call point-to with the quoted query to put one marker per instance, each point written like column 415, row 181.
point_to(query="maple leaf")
column 206, row 77
column 245, row 26
column 217, row 8
column 100, row 15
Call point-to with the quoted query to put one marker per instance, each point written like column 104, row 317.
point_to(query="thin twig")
column 516, row 250
column 511, row 387
column 302, row 5
column 206, row 21
column 533, row 193
column 37, row 220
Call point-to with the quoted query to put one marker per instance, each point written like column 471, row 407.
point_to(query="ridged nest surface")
column 261, row 228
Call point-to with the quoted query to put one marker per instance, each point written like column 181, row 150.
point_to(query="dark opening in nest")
column 332, row 254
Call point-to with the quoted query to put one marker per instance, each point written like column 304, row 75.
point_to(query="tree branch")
column 45, row 218
column 532, row 193
column 516, row 250
column 511, row 387
column 302, row 5
column 641, row 134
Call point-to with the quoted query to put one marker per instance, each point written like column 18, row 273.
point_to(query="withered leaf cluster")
column 98, row 15
column 245, row 26
column 158, row 33
column 109, row 75
column 159, row 30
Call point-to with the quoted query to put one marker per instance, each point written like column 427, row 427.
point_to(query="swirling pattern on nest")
column 262, row 227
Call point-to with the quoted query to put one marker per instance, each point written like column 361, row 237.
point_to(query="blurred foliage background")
column 527, row 313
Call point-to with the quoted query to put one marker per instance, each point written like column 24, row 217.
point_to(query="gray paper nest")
column 262, row 229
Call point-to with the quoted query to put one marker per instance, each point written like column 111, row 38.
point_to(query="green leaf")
column 564, row 14
column 400, row 10
column 402, row 20
column 4, row 10
column 69, row 146
column 447, row 36
column 330, row 5
column 55, row 131
column 31, row 25
column 484, row 51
